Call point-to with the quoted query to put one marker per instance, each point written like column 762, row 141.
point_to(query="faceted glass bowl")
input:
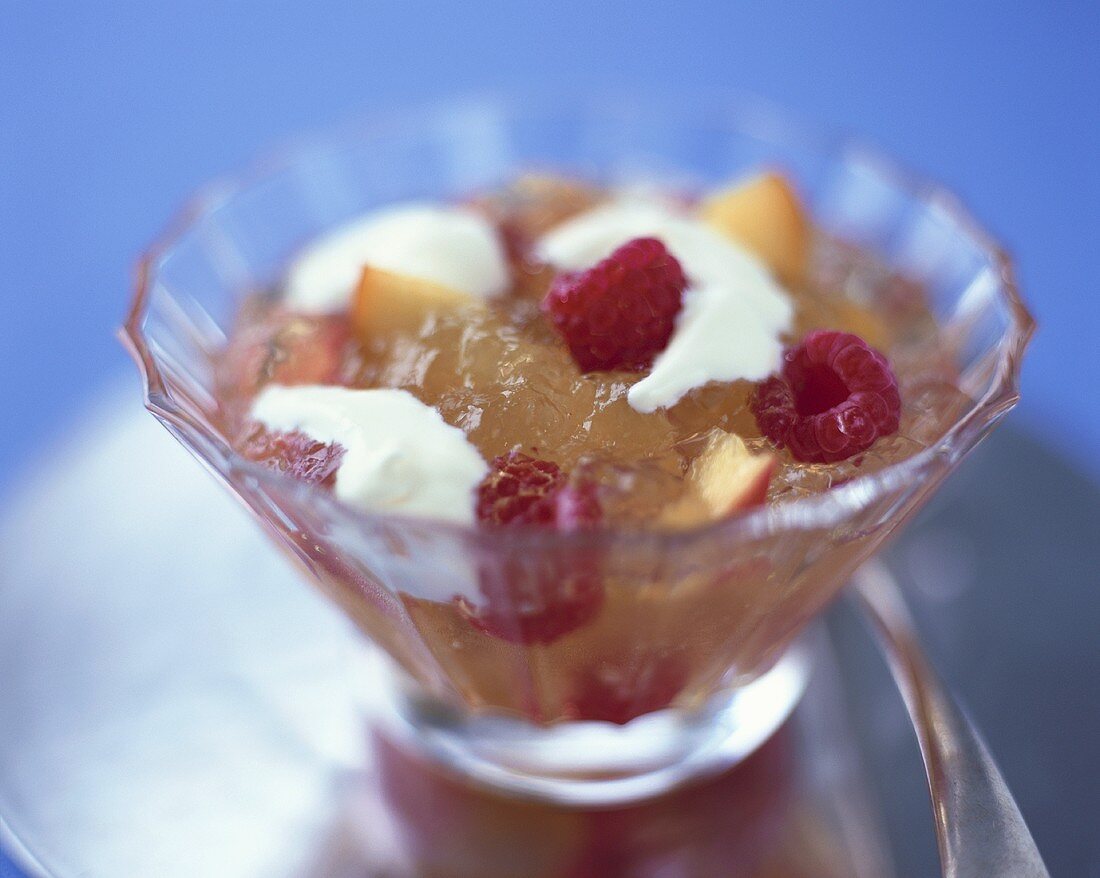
column 683, row 617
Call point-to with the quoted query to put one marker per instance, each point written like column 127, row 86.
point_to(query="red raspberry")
column 525, row 490
column 538, row 597
column 295, row 454
column 535, row 601
column 618, row 694
column 620, row 313
column 834, row 397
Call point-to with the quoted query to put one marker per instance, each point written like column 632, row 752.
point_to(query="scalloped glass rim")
column 748, row 115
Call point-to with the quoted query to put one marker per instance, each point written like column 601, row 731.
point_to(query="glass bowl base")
column 583, row 763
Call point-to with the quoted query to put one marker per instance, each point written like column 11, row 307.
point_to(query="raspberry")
column 834, row 396
column 618, row 694
column 535, row 601
column 620, row 313
column 541, row 596
column 524, row 490
column 295, row 454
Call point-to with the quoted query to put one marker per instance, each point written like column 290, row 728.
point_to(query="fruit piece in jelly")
column 766, row 216
column 618, row 693
column 834, row 397
column 285, row 347
column 725, row 478
column 535, row 598
column 521, row 489
column 535, row 601
column 620, row 313
column 295, row 454
column 386, row 301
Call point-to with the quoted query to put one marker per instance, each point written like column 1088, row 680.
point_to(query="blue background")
column 111, row 113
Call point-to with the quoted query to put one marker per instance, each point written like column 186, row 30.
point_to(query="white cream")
column 447, row 245
column 734, row 310
column 400, row 455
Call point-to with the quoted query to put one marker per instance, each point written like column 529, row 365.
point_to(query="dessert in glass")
column 580, row 417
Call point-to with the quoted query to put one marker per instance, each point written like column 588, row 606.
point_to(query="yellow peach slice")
column 386, row 302
column 725, row 478
column 764, row 215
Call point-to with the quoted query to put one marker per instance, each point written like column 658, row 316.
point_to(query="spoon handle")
column 980, row 830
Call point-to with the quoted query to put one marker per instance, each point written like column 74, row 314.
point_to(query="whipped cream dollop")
column 400, row 455
column 444, row 244
column 733, row 313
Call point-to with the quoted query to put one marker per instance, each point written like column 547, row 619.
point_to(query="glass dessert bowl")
column 646, row 634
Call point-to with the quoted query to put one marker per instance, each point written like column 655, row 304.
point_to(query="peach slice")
column 765, row 215
column 725, row 478
column 386, row 301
